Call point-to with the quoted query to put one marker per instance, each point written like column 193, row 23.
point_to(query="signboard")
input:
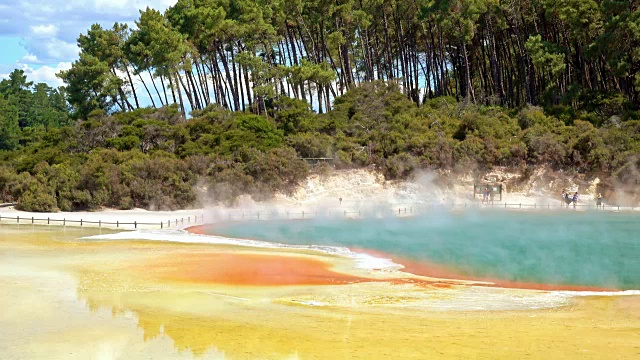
column 495, row 191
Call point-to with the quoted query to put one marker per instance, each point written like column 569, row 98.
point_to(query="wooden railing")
column 118, row 224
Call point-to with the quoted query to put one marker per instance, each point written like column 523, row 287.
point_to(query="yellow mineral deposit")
column 64, row 298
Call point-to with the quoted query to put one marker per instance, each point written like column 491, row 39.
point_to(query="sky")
column 39, row 36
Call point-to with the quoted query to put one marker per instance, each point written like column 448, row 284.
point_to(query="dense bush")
column 155, row 159
column 37, row 198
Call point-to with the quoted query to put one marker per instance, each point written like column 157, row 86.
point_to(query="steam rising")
column 367, row 192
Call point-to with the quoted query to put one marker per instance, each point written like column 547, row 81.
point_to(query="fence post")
column 117, row 223
column 32, row 219
column 135, row 224
column 99, row 224
column 168, row 223
column 520, row 205
column 47, row 221
column 161, row 224
column 64, row 222
column 80, row 222
column 18, row 218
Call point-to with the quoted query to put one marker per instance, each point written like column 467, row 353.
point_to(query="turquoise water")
column 564, row 248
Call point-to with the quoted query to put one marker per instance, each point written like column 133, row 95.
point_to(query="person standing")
column 599, row 200
column 575, row 199
column 564, row 197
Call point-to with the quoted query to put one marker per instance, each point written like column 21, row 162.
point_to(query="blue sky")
column 39, row 36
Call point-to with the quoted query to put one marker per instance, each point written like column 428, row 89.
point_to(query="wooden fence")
column 118, row 224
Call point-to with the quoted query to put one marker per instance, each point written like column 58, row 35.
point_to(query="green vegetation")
column 572, row 55
column 398, row 85
column 156, row 159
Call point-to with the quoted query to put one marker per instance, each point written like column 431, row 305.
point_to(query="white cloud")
column 49, row 30
column 30, row 59
column 45, row 74
column 58, row 49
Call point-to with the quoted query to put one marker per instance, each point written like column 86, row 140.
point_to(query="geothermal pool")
column 77, row 294
column 592, row 250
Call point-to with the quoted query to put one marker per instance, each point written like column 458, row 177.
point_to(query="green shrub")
column 399, row 166
column 38, row 199
column 312, row 145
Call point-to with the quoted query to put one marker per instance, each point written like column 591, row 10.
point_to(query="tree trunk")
column 184, row 114
column 233, row 91
column 186, row 90
column 469, row 84
column 194, row 90
column 133, row 88
column 148, row 92
column 153, row 82
column 498, row 89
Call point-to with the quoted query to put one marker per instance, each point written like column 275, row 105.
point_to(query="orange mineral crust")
column 198, row 229
column 247, row 269
column 443, row 273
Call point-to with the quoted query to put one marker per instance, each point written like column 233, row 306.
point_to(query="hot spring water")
column 598, row 249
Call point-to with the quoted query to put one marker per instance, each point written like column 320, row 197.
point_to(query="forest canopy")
column 567, row 55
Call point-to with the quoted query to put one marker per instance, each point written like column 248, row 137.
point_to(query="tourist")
column 485, row 195
column 568, row 199
column 564, row 197
column 575, row 199
column 340, row 201
column 599, row 200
